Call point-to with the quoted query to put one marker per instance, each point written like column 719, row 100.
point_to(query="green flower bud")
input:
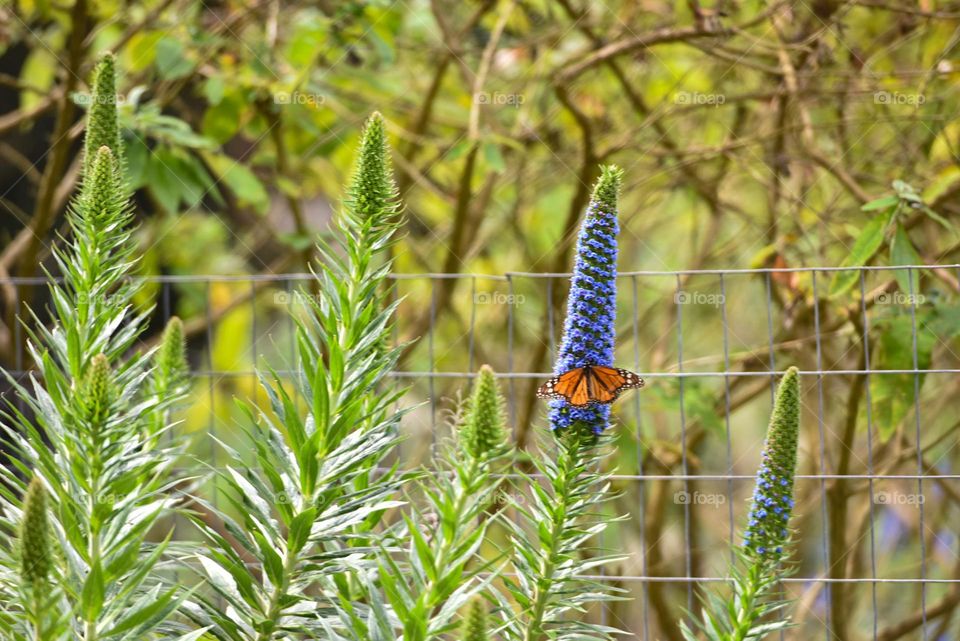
column 483, row 430
column 475, row 626
column 95, row 392
column 103, row 129
column 171, row 359
column 101, row 199
column 35, row 536
column 372, row 192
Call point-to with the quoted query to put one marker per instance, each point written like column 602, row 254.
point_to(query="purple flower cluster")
column 588, row 333
column 772, row 502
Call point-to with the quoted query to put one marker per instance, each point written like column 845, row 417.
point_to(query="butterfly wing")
column 585, row 385
column 610, row 381
column 580, row 397
column 571, row 386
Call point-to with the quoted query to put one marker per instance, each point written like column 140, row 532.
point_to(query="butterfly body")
column 589, row 385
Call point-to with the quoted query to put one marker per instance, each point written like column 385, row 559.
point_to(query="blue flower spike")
column 772, row 503
column 589, row 329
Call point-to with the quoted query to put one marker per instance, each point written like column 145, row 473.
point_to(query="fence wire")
column 878, row 493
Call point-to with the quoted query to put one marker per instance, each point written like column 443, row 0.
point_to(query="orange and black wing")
column 572, row 386
column 585, row 385
column 606, row 383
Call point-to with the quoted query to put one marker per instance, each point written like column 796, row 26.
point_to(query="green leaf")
column 300, row 528
column 902, row 252
column 38, row 72
column 223, row 119
column 138, row 157
column 91, row 598
column 141, row 51
column 143, row 615
column 241, row 181
column 892, row 395
column 162, row 180
column 864, row 248
column 932, row 215
column 213, row 89
column 171, row 62
column 941, row 184
column 880, row 203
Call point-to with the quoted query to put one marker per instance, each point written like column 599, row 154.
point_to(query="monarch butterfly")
column 589, row 384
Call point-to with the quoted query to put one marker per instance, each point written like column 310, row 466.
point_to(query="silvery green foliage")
column 431, row 567
column 308, row 504
column 554, row 535
column 749, row 612
column 86, row 408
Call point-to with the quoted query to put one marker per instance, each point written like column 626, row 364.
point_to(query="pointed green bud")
column 101, row 200
column 773, row 495
column 35, row 536
column 607, row 189
column 171, row 359
column 475, row 626
column 483, row 430
column 372, row 194
column 96, row 393
column 103, row 128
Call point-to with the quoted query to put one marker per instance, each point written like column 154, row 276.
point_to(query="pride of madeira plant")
column 432, row 568
column 564, row 511
column 299, row 518
column 747, row 613
column 88, row 432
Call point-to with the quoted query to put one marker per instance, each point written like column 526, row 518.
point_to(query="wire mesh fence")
column 878, row 492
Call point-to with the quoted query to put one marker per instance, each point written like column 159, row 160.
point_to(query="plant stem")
column 290, row 561
column 458, row 506
column 93, row 549
column 37, row 613
column 273, row 611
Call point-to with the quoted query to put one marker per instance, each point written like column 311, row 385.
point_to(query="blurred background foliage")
column 753, row 134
